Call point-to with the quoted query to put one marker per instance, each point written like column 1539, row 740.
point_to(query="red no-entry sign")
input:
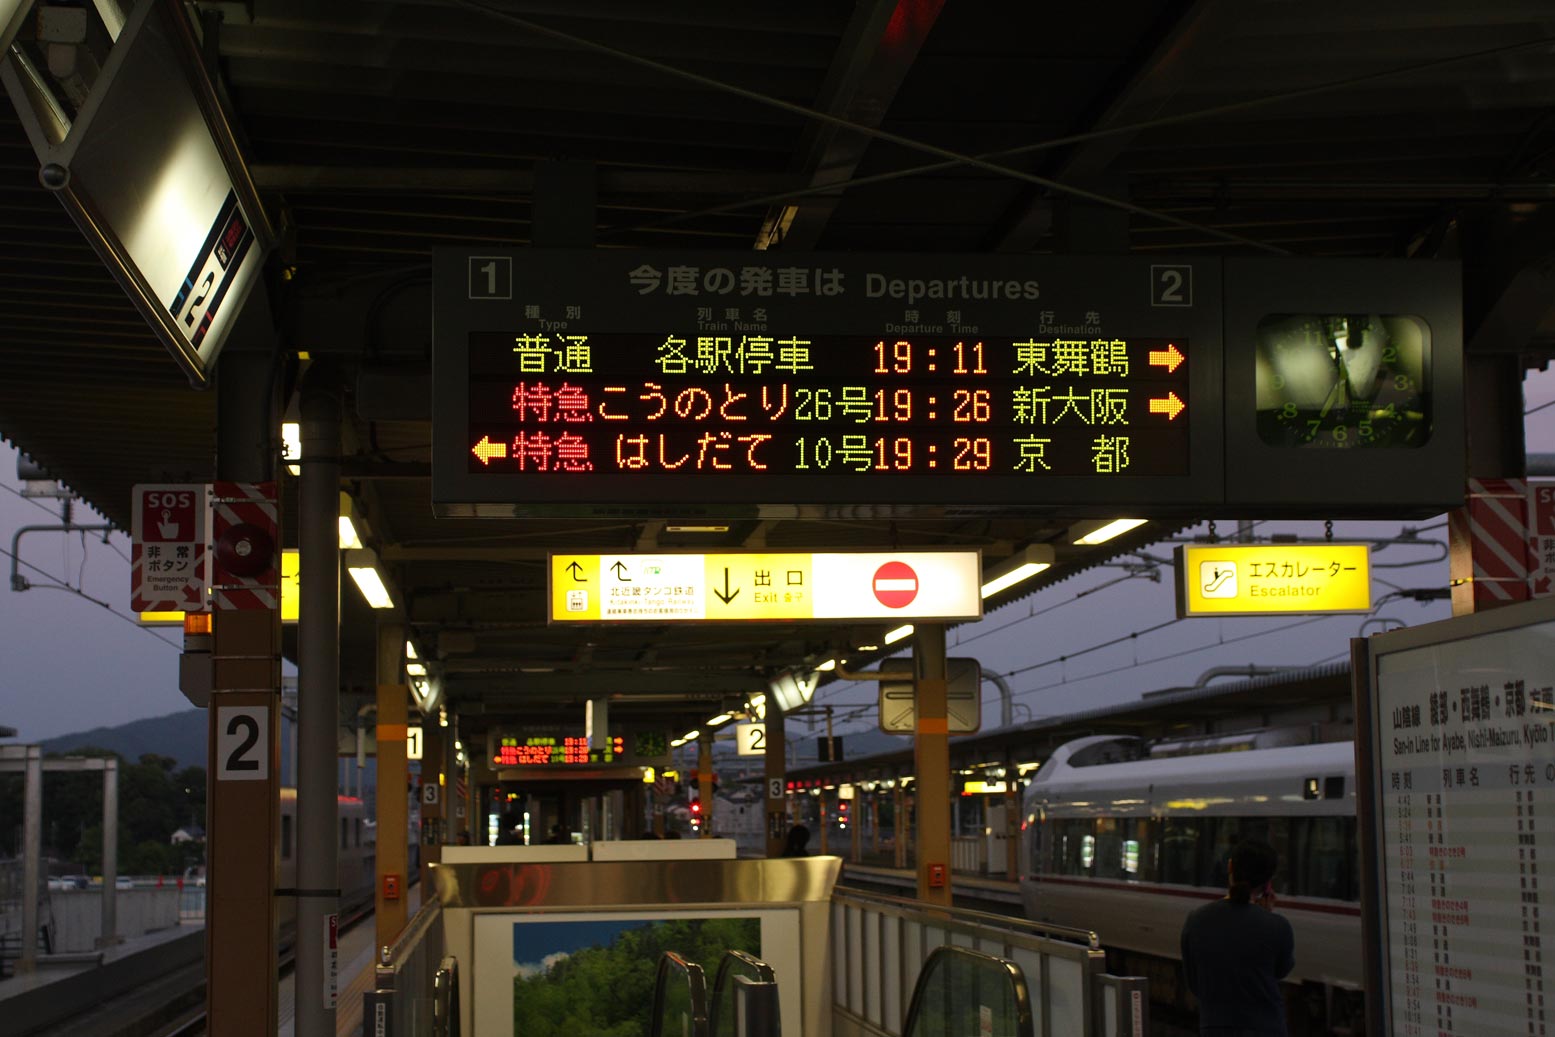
column 896, row 585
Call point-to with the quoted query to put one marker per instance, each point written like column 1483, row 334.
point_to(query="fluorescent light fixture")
column 371, row 585
column 350, row 531
column 291, row 445
column 722, row 718
column 1117, row 527
column 869, row 648
column 1022, row 565
column 690, row 736
column 903, row 631
column 677, row 743
column 416, row 669
column 410, row 650
column 696, row 529
column 828, row 665
column 758, row 706
column 362, row 564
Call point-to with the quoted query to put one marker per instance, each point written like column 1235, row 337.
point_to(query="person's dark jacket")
column 1234, row 956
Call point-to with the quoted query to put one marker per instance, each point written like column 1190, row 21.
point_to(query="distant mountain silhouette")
column 179, row 735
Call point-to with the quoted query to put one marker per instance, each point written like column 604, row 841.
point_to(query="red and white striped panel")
column 1494, row 523
column 252, row 504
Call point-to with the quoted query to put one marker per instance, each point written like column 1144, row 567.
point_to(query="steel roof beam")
column 876, row 52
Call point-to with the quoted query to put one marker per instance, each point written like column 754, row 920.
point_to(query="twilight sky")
column 68, row 663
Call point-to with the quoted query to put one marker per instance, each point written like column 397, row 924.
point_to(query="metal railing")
column 879, row 945
column 415, row 987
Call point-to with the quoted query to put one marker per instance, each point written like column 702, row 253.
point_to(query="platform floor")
column 355, row 977
column 53, row 970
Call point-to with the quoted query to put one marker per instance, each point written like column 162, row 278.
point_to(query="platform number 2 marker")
column 1171, row 284
column 242, row 743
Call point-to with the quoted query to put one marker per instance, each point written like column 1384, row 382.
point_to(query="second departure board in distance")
column 853, row 409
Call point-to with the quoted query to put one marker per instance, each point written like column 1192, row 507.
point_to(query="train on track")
column 358, row 854
column 1126, row 838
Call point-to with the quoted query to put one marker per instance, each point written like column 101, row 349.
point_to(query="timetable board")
column 1461, row 905
column 613, row 381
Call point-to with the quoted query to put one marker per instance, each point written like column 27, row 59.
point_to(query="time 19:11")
column 897, row 358
column 861, row 454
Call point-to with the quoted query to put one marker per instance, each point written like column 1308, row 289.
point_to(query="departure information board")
column 753, row 379
column 758, row 383
column 1462, row 768
column 568, row 747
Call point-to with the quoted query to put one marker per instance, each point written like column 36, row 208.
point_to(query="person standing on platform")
column 1235, row 951
column 798, row 842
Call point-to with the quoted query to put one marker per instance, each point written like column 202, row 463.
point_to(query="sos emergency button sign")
column 167, row 561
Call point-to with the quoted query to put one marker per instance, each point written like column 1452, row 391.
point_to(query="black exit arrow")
column 577, row 572
column 620, row 571
column 724, row 595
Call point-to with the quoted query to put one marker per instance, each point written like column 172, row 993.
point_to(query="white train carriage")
column 1127, row 843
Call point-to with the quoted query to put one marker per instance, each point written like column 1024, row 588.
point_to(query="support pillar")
column 931, row 759
column 433, row 796
column 899, row 824
column 1488, row 545
column 393, row 858
column 856, row 826
column 705, row 781
column 110, row 905
column 318, row 711
column 243, row 801
column 1012, row 819
column 776, row 776
column 32, row 854
column 874, row 823
column 822, row 821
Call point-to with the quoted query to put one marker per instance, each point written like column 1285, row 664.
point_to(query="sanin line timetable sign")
column 766, row 586
column 1264, row 579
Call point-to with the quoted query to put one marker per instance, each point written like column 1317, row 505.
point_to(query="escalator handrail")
column 730, row 958
column 1024, row 1027
column 695, row 981
column 445, row 1006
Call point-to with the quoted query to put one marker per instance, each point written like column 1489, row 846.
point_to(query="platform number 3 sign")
column 242, row 743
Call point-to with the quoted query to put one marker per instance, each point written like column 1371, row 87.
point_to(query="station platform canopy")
column 1155, row 135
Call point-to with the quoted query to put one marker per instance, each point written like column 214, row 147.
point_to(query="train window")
column 1180, row 850
column 286, row 837
column 1323, row 865
column 1309, row 789
column 1109, row 848
column 1087, row 852
column 1333, row 786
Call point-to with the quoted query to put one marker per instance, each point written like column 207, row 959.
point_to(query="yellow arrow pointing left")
column 486, row 450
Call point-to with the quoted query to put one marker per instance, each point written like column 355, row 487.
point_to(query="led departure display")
column 550, row 750
column 826, row 407
column 612, row 381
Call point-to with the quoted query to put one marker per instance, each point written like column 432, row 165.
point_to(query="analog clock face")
column 1343, row 381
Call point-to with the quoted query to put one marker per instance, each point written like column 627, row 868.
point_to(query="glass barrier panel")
column 962, row 992
column 732, row 964
column 679, row 998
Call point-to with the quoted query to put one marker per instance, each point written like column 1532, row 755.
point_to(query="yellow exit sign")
column 1272, row 579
